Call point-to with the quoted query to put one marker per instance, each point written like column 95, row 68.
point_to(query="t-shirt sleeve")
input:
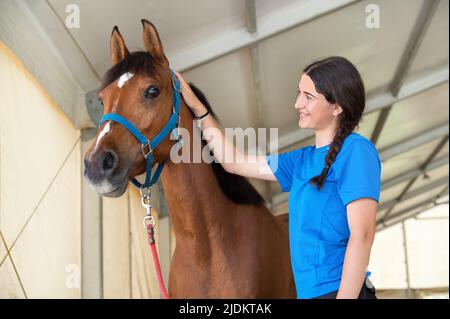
column 359, row 172
column 283, row 166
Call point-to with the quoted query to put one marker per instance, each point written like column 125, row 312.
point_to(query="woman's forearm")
column 355, row 265
column 223, row 149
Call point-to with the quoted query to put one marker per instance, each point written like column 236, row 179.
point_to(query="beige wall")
column 39, row 190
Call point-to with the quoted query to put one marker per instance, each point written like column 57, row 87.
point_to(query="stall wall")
column 427, row 253
column 39, row 190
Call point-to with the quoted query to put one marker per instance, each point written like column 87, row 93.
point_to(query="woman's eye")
column 151, row 93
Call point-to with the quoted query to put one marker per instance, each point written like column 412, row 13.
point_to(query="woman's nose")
column 299, row 103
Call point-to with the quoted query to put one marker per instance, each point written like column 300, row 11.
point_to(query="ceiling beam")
column 401, row 178
column 375, row 103
column 413, row 142
column 411, row 211
column 279, row 21
column 424, row 166
column 433, row 185
column 381, row 121
column 412, row 47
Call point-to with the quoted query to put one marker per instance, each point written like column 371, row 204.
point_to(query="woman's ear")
column 337, row 109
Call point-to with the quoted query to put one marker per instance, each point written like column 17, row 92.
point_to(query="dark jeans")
column 367, row 292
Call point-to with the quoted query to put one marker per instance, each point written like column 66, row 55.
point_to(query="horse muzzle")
column 101, row 169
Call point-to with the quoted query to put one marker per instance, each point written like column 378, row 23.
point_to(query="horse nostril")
column 109, row 162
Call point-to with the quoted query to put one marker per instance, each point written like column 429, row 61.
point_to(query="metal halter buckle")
column 143, row 146
column 146, row 191
column 149, row 220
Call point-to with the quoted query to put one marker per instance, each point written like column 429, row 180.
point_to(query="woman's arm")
column 254, row 166
column 361, row 215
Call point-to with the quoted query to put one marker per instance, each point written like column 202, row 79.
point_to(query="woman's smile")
column 302, row 115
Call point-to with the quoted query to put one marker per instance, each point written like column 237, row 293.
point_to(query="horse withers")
column 228, row 244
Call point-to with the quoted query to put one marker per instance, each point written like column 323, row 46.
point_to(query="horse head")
column 138, row 88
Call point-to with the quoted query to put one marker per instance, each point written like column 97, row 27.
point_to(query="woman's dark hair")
column 339, row 81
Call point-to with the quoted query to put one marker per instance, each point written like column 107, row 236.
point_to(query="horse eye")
column 151, row 92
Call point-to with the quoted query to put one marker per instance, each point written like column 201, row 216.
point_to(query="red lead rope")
column 151, row 241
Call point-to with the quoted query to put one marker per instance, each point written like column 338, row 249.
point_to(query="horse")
column 228, row 244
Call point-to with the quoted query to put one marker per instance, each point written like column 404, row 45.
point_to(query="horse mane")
column 237, row 188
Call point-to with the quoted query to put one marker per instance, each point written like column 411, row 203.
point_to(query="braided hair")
column 338, row 80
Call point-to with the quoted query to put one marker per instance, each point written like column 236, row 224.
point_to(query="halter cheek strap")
column 147, row 147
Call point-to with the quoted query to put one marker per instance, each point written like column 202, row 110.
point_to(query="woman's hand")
column 190, row 98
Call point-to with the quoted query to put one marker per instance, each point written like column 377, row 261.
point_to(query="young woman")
column 334, row 185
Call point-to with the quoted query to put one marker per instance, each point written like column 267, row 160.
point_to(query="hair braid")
column 335, row 147
column 340, row 83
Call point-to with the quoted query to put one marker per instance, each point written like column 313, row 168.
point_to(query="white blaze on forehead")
column 124, row 78
column 105, row 131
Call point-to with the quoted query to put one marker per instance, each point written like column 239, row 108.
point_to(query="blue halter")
column 147, row 147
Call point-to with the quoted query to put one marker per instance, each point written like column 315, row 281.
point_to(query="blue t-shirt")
column 318, row 226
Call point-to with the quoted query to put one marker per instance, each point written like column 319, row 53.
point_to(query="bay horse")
column 228, row 244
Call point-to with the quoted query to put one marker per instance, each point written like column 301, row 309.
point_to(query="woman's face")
column 315, row 112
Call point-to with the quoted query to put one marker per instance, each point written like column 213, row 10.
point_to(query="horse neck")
column 197, row 206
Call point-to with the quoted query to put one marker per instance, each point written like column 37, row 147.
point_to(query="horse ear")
column 152, row 41
column 119, row 50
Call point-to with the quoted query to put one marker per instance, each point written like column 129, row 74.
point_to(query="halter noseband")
column 147, row 147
